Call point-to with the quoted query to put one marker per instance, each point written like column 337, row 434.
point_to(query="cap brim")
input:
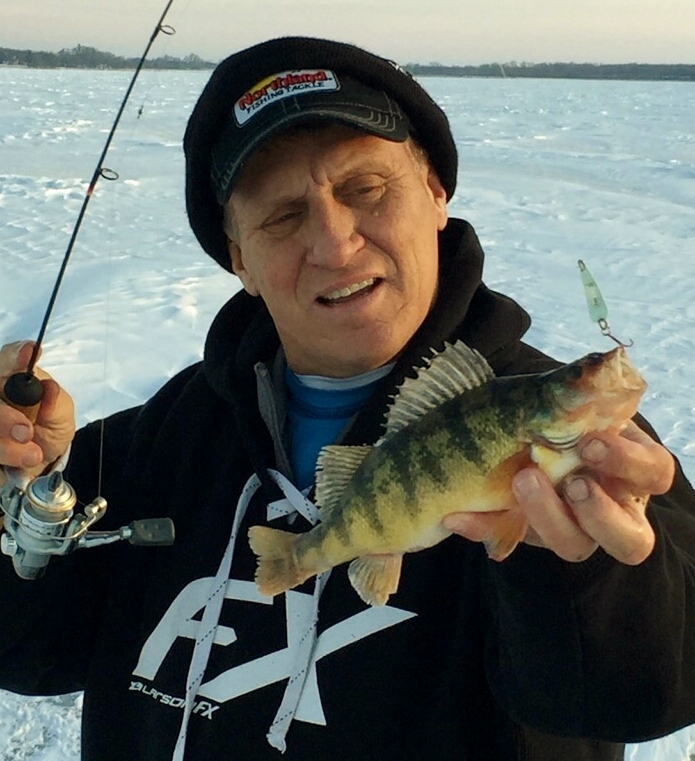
column 354, row 105
column 377, row 124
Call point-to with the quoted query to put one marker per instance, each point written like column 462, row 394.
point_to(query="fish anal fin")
column 507, row 529
column 375, row 577
column 335, row 467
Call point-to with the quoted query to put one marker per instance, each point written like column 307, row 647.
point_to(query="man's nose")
column 334, row 235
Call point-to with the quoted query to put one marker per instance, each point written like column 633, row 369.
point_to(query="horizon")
column 500, row 62
column 445, row 32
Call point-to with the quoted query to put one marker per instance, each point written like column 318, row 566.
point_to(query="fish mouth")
column 603, row 390
column 349, row 292
column 629, row 375
column 615, row 373
column 609, row 374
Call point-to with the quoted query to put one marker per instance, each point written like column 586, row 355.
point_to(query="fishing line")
column 118, row 206
column 24, row 390
column 38, row 513
column 169, row 31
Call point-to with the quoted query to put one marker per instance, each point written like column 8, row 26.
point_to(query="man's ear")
column 237, row 259
column 439, row 197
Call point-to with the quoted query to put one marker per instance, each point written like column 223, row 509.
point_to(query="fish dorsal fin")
column 447, row 374
column 335, row 466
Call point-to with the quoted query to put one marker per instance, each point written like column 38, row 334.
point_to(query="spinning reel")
column 40, row 521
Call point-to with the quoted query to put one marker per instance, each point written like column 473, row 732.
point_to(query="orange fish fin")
column 508, row 529
column 277, row 569
column 500, row 477
column 375, row 577
column 499, row 480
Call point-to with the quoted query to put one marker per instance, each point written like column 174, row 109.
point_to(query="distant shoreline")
column 83, row 57
column 679, row 72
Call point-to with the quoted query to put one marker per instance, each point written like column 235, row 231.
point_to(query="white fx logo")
column 178, row 622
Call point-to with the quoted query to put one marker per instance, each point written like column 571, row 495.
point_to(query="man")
column 319, row 174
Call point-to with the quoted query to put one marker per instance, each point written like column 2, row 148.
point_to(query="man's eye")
column 280, row 220
column 369, row 190
column 364, row 194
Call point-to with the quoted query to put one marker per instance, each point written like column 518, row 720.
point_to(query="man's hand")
column 29, row 446
column 601, row 505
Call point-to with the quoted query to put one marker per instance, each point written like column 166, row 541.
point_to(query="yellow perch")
column 455, row 437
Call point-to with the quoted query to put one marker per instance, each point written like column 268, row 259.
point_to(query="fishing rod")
column 24, row 390
column 39, row 515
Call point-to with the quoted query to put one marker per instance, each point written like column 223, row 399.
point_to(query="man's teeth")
column 350, row 289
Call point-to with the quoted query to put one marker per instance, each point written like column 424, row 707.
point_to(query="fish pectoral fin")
column 507, row 530
column 375, row 577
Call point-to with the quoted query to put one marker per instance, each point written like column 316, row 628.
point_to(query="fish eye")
column 575, row 371
column 593, row 359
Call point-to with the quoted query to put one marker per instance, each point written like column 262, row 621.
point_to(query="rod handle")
column 24, row 392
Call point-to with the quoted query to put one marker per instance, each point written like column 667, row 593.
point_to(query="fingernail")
column 525, row 484
column 595, row 451
column 577, row 489
column 21, row 346
column 20, row 433
column 31, row 459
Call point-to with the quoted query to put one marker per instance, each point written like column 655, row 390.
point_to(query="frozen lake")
column 551, row 171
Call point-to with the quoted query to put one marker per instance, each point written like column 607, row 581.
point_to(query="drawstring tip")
column 276, row 741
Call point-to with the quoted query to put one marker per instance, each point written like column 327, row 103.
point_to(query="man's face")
column 337, row 232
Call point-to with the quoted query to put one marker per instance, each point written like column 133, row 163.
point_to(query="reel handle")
column 24, row 392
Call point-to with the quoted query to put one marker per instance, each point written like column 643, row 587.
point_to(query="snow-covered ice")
column 551, row 171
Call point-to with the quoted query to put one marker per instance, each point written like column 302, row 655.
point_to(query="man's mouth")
column 350, row 291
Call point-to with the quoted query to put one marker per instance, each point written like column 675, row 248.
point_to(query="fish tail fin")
column 508, row 529
column 277, row 569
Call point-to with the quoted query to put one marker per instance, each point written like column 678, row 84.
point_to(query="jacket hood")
column 243, row 333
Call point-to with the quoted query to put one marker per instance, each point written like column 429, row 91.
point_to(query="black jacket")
column 532, row 658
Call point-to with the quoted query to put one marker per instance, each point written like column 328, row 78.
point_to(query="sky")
column 408, row 31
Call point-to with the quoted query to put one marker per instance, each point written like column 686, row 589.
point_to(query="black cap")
column 291, row 97
column 266, row 88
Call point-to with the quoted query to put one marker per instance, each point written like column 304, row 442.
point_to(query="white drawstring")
column 294, row 501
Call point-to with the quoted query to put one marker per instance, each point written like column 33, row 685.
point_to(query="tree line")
column 84, row 57
column 641, row 71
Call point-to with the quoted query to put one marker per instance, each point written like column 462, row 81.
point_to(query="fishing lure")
column 598, row 311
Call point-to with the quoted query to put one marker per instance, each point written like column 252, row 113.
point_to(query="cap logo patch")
column 283, row 85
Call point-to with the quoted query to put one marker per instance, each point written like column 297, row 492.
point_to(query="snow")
column 551, row 171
